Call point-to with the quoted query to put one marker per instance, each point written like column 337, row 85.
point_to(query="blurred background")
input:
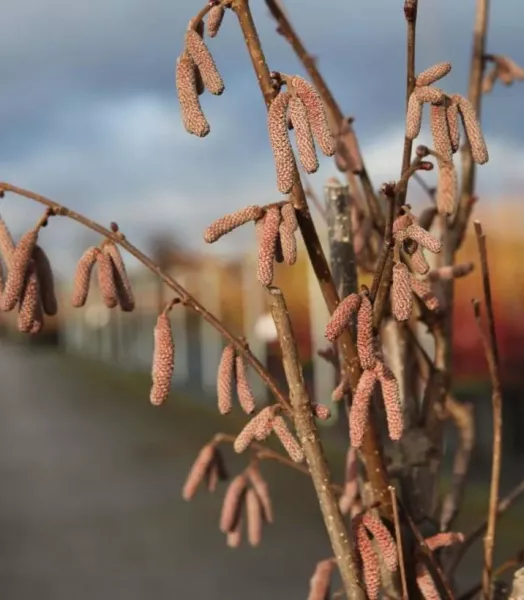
column 91, row 473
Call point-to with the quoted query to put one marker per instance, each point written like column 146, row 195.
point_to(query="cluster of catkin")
column 247, row 495
column 275, row 226
column 413, row 238
column 30, row 281
column 113, row 280
column 444, row 120
column 373, row 369
column 196, row 70
column 299, row 108
column 209, row 468
column 232, row 369
column 504, row 69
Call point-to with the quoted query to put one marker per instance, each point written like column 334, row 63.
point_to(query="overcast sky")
column 89, row 115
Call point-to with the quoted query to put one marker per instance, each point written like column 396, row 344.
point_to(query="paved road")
column 90, row 503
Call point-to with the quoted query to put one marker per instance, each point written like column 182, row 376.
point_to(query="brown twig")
column 308, row 435
column 398, row 536
column 187, row 299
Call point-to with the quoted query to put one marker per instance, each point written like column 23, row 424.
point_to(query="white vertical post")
column 211, row 343
column 253, row 307
column 178, row 326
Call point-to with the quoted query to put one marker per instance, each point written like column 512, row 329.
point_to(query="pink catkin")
column 279, row 137
column 425, row 583
column 351, row 491
column 452, row 116
column 341, row 316
column 287, row 440
column 401, row 295
column 316, row 115
column 233, row 501
column 124, row 291
column 422, row 288
column 106, row 280
column 288, row 244
column 429, row 95
column 413, row 117
column 433, row 74
column 214, row 20
column 443, row 540
column 424, row 238
column 440, row 132
column 254, row 518
column 447, row 188
column 225, row 377
column 479, row 151
column 319, row 583
column 234, row 537
column 230, row 222
column 30, row 307
column 358, row 417
column 199, row 52
column 163, row 360
column 391, row 395
column 193, row 117
column 451, row 272
column 342, row 388
column 289, row 216
column 366, row 352
column 245, row 395
column 321, row 411
column 83, row 276
column 370, row 563
column 402, row 222
column 418, row 261
column 46, row 281
column 7, row 245
column 17, row 273
column 198, row 471
column 261, row 488
column 305, row 144
column 259, row 425
column 267, row 246
column 385, row 541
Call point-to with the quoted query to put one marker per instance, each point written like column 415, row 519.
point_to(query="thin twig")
column 308, row 435
column 400, row 550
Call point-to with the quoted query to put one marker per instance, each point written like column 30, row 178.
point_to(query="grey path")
column 90, row 503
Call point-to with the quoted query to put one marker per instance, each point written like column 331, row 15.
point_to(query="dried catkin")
column 288, row 244
column 124, row 291
column 163, row 360
column 46, row 281
column 306, row 146
column 401, row 296
column 429, row 95
column 341, row 316
column 17, row 273
column 287, row 440
column 193, row 117
column 424, row 238
column 230, row 222
column 289, row 216
column 199, row 52
column 316, row 115
column 452, row 116
column 319, row 583
column 447, row 188
column 280, row 144
column 366, row 353
column 385, row 541
column 261, row 488
column 422, row 288
column 233, row 501
column 433, row 74
column 440, row 132
column 198, row 471
column 30, row 301
column 106, row 280
column 254, row 518
column 225, row 377
column 358, row 417
column 413, row 117
column 83, row 276
column 214, row 19
column 267, row 246
column 245, row 395
column 479, row 151
column 370, row 563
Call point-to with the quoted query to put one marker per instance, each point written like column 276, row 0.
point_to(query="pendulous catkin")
column 225, row 377
column 46, row 281
column 424, row 238
column 199, row 52
column 267, row 245
column 254, row 518
column 440, row 132
column 214, row 19
column 366, row 352
column 234, row 537
column 124, row 291
column 401, row 296
column 193, row 117
column 261, row 488
column 17, row 273
column 358, row 417
column 245, row 395
column 316, row 114
column 369, row 561
column 447, row 188
column 198, row 471
column 106, row 280
column 452, row 116
column 319, row 584
column 342, row 388
column 232, row 505
column 451, row 272
column 429, row 95
column 230, row 222
column 30, row 307
column 391, row 395
column 422, row 288
column 305, row 144
column 385, row 542
column 479, row 151
column 287, row 229
column 280, row 144
column 341, row 316
column 433, row 74
column 321, row 411
column 287, row 439
column 413, row 117
column 163, row 360
column 418, row 261
column 83, row 276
